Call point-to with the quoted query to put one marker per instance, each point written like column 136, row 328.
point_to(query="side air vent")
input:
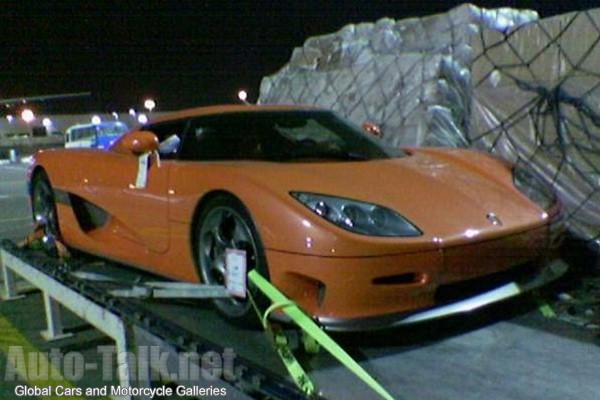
column 89, row 216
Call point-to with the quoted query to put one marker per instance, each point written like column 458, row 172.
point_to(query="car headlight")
column 357, row 216
column 533, row 187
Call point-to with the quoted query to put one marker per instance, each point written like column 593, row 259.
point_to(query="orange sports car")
column 360, row 235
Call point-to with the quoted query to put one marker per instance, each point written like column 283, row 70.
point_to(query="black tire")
column 43, row 205
column 223, row 223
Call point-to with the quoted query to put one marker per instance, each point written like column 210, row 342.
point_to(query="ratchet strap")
column 311, row 329
column 282, row 346
column 38, row 240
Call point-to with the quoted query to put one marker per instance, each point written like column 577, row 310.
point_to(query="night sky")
column 182, row 53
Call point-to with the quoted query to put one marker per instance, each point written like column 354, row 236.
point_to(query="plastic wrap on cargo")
column 411, row 76
column 500, row 80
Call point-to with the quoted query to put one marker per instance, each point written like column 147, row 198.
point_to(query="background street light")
column 27, row 115
column 149, row 104
column 243, row 96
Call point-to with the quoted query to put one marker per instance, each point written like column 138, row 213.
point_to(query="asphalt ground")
column 15, row 214
column 508, row 351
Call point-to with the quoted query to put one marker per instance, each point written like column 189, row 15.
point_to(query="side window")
column 207, row 139
column 85, row 133
column 169, row 134
column 227, row 137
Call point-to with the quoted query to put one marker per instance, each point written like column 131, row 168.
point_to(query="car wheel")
column 225, row 223
column 43, row 205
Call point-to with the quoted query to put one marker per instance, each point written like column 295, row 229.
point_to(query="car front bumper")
column 550, row 272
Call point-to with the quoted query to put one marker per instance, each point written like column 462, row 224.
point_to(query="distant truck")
column 96, row 136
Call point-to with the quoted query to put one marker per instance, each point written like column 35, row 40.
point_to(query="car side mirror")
column 372, row 129
column 137, row 142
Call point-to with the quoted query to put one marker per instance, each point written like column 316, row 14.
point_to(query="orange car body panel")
column 331, row 272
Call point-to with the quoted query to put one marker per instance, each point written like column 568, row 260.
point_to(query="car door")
column 136, row 191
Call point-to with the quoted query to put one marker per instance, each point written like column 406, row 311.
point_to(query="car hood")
column 445, row 194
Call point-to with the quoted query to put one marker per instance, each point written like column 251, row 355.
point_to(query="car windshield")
column 281, row 136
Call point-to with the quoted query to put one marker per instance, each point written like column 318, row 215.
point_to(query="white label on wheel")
column 142, row 174
column 235, row 266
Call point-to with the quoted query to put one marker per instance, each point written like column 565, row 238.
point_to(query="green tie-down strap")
column 545, row 309
column 281, row 342
column 294, row 368
column 312, row 329
column 282, row 346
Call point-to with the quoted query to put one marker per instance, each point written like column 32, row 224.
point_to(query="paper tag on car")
column 142, row 174
column 235, row 277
